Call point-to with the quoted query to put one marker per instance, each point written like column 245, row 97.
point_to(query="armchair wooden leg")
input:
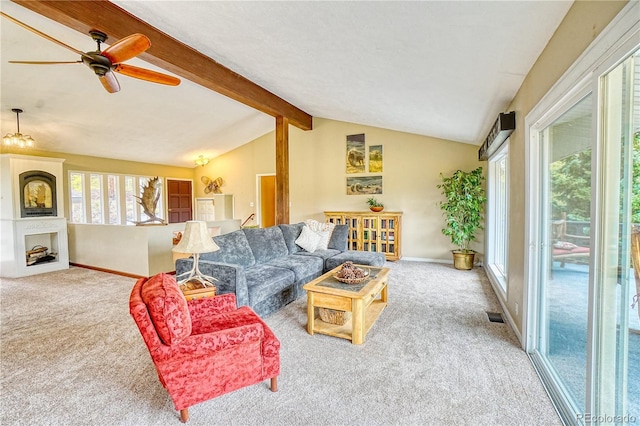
column 184, row 415
column 274, row 384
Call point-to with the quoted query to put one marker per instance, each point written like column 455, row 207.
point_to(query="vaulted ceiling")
column 435, row 68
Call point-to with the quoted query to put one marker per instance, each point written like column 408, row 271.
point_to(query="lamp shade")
column 196, row 239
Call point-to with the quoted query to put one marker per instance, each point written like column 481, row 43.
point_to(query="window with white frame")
column 497, row 215
column 76, row 191
column 102, row 198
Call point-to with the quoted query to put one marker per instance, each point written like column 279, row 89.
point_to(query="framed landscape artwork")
column 375, row 159
column 355, row 153
column 364, row 185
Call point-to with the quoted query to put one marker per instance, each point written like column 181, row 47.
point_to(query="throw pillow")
column 564, row 245
column 324, row 230
column 167, row 307
column 308, row 240
column 339, row 238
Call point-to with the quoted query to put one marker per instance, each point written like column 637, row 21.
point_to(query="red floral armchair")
column 205, row 347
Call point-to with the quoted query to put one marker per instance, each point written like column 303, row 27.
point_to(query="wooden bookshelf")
column 369, row 231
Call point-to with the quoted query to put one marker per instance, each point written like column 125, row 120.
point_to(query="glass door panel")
column 565, row 268
column 617, row 326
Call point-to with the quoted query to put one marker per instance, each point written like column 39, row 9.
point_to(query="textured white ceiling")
column 442, row 69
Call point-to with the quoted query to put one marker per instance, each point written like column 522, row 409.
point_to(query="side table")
column 194, row 290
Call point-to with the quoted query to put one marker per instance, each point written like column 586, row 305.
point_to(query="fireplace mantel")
column 22, row 234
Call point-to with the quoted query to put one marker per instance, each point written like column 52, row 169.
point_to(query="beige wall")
column 318, row 179
column 104, row 165
column 411, row 163
column 582, row 24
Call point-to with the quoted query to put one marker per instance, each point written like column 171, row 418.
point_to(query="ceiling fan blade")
column 110, row 82
column 45, row 62
column 126, row 48
column 145, row 74
column 41, row 34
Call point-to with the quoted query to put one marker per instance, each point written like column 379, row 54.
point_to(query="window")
column 76, row 183
column 96, row 198
column 113, row 200
column 107, row 198
column 130, row 192
column 497, row 216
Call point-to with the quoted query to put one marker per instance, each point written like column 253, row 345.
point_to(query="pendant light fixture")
column 201, row 160
column 18, row 139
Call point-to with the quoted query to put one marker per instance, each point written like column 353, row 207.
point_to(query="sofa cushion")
column 308, row 240
column 167, row 308
column 266, row 243
column 291, row 232
column 339, row 238
column 234, row 248
column 265, row 280
column 323, row 229
column 322, row 254
column 357, row 257
column 302, row 266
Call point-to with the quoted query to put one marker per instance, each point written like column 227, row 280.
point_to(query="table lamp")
column 195, row 240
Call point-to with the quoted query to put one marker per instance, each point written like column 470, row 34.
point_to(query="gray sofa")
column 265, row 268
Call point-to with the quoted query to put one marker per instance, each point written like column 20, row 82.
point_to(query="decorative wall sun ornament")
column 212, row 185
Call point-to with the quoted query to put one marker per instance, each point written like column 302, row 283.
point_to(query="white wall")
column 135, row 250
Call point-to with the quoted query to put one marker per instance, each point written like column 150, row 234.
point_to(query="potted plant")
column 375, row 205
column 465, row 199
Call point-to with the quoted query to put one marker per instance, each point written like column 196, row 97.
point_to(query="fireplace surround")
column 34, row 234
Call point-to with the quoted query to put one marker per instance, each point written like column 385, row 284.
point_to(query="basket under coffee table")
column 360, row 299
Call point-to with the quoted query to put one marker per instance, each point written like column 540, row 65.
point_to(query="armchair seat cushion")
column 226, row 321
column 168, row 308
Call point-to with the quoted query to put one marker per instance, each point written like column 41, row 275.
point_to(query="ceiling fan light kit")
column 201, row 161
column 104, row 63
column 18, row 139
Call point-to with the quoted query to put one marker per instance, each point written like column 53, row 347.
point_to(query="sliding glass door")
column 616, row 346
column 586, row 329
column 565, row 272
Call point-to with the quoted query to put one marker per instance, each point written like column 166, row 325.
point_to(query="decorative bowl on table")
column 351, row 274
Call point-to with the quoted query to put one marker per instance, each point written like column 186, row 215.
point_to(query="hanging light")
column 201, row 160
column 17, row 138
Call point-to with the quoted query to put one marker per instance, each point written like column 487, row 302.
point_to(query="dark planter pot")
column 376, row 209
column 463, row 261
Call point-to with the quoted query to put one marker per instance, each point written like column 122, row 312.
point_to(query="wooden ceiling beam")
column 168, row 54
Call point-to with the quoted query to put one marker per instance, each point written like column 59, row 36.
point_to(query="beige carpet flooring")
column 70, row 354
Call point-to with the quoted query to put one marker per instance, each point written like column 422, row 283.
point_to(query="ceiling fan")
column 105, row 62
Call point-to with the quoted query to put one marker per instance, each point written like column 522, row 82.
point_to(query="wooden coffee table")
column 359, row 299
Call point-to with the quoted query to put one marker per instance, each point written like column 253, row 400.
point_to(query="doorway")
column 267, row 200
column 179, row 200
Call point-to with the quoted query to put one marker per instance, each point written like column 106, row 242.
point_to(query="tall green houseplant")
column 463, row 209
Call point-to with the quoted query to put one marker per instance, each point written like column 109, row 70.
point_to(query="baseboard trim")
column 500, row 295
column 109, row 271
column 424, row 259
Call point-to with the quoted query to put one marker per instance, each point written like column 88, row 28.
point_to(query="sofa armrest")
column 208, row 306
column 230, row 278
